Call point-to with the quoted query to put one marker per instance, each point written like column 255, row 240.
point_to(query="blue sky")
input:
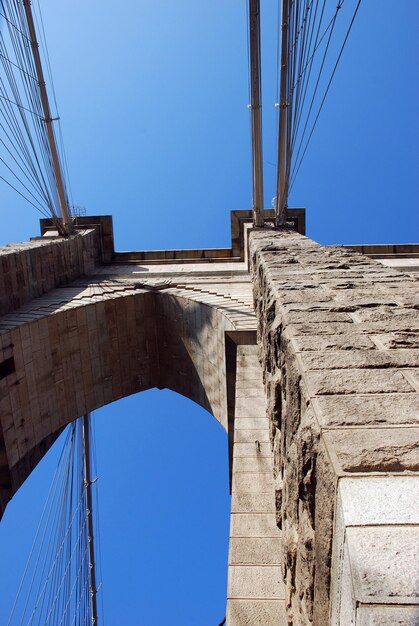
column 153, row 101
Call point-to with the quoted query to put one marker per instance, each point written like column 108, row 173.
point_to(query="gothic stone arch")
column 311, row 467
column 79, row 333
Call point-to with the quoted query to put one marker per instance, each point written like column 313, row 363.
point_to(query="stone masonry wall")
column 339, row 350
column 255, row 588
column 31, row 268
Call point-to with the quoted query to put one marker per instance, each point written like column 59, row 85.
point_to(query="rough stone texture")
column 358, row 410
column 387, row 616
column 380, row 500
column 255, row 582
column 367, row 359
column 373, row 449
column 256, row 613
column 260, row 550
column 338, row 337
column 375, row 551
column 29, row 269
column 252, row 503
column 353, row 381
column 387, row 575
column 253, row 525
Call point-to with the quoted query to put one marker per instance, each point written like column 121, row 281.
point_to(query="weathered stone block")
column 250, row 407
column 346, row 359
column 373, row 449
column 255, row 582
column 357, row 410
column 250, row 436
column 380, row 500
column 355, row 381
column 253, row 525
column 251, row 423
column 252, row 449
column 255, row 551
column 387, row 616
column 249, row 482
column 384, row 576
column 252, row 503
column 344, row 341
column 252, row 464
column 316, row 317
column 256, row 613
column 400, row 339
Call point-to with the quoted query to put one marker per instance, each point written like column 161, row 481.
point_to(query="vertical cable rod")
column 89, row 501
column 256, row 110
column 282, row 185
column 67, row 225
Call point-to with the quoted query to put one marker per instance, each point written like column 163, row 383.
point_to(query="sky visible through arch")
column 163, row 507
column 153, row 102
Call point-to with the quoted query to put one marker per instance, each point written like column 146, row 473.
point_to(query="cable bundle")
column 55, row 589
column 26, row 160
column 308, row 65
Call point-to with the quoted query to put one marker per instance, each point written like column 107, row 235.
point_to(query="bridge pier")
column 306, row 355
column 338, row 336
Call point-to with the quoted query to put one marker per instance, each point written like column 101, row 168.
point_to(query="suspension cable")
column 256, row 110
column 306, row 51
column 31, row 156
column 58, row 586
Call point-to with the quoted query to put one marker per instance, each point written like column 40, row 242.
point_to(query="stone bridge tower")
column 305, row 354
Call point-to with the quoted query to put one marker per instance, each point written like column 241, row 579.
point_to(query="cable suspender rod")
column 282, row 182
column 89, row 501
column 256, row 110
column 67, row 225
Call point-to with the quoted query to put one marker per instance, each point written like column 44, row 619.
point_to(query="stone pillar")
column 255, row 588
column 338, row 337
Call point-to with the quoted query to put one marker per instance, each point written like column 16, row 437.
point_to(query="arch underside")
column 78, row 348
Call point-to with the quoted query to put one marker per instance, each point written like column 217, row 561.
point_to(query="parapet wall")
column 339, row 350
